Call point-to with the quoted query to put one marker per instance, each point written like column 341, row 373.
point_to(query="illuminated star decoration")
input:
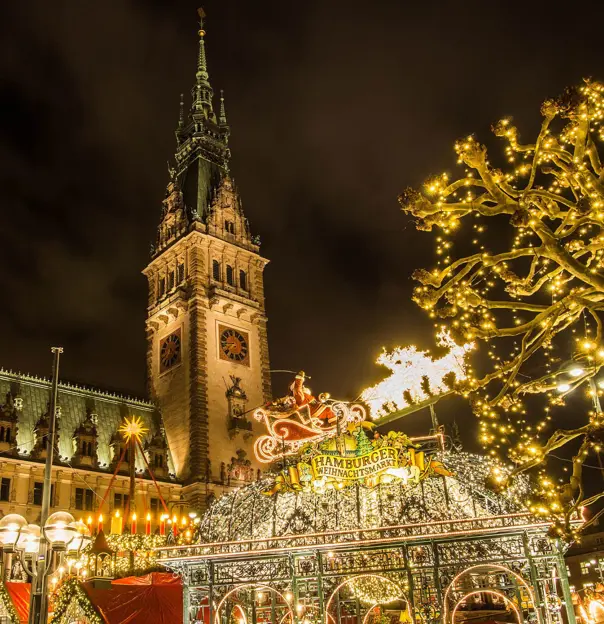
column 409, row 369
column 133, row 428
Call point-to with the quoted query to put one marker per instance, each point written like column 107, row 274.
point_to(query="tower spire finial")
column 222, row 119
column 202, row 92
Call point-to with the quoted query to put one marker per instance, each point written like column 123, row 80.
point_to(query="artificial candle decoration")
column 100, row 523
column 148, row 525
column 133, row 524
column 525, row 280
column 162, row 524
column 116, row 523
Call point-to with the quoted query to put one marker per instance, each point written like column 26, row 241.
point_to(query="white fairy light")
column 409, row 367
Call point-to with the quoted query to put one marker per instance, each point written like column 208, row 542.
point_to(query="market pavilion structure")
column 350, row 533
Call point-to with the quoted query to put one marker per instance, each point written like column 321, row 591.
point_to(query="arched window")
column 243, row 280
column 230, row 275
column 7, row 437
column 216, row 270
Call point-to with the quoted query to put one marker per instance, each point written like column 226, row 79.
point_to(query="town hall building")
column 207, row 356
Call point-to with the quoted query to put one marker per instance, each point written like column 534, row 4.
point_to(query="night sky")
column 334, row 108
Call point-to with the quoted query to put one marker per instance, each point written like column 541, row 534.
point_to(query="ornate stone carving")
column 240, row 468
column 237, row 401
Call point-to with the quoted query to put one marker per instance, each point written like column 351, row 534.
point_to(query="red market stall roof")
column 19, row 595
column 154, row 598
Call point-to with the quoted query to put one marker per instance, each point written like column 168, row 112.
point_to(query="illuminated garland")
column 72, row 590
column 136, row 542
column 8, row 604
column 534, row 304
column 372, row 590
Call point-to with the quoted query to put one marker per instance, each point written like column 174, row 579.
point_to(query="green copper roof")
column 74, row 402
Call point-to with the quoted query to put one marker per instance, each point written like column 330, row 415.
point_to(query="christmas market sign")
column 354, row 458
column 325, row 444
column 339, row 467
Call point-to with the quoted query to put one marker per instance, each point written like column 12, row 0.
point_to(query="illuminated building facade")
column 207, row 357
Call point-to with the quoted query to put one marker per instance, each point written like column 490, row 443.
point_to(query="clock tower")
column 207, row 355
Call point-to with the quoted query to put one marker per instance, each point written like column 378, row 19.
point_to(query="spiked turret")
column 202, row 153
column 222, row 118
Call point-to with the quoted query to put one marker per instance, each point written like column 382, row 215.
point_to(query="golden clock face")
column 234, row 345
column 169, row 351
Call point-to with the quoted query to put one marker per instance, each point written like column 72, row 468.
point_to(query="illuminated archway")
column 243, row 616
column 371, row 608
column 488, row 568
column 506, row 600
column 255, row 586
column 400, row 590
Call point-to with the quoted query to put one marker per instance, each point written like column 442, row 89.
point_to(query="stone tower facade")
column 207, row 356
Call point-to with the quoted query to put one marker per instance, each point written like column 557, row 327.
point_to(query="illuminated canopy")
column 249, row 513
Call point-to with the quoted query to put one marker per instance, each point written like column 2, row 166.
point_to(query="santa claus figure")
column 320, row 412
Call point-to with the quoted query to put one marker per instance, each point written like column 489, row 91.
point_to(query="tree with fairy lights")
column 527, row 283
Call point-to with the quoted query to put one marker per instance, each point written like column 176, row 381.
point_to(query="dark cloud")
column 334, row 107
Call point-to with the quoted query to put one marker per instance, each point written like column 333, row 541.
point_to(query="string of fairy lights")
column 525, row 283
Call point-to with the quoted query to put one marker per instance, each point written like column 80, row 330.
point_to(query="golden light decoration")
column 374, row 590
column 410, row 368
column 495, row 280
column 133, row 428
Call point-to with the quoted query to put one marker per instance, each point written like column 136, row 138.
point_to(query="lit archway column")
column 254, row 586
column 487, row 568
column 350, row 580
column 487, row 591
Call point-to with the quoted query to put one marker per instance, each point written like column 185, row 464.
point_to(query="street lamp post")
column 38, row 604
column 60, row 534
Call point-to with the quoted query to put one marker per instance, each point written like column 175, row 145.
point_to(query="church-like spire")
column 222, row 120
column 202, row 151
column 202, row 91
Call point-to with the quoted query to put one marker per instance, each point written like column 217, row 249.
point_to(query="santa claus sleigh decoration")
column 300, row 418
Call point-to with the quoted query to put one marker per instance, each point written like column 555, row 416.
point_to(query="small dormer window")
column 229, row 226
column 171, row 280
column 181, row 273
column 216, row 270
column 162, row 286
column 243, row 280
column 230, row 275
